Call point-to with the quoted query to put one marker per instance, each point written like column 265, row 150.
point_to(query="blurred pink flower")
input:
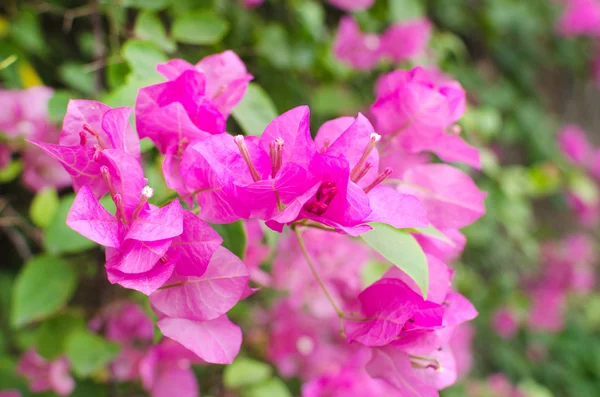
column 505, row 322
column 359, row 50
column 352, row 5
column 580, row 17
column 46, row 375
column 574, row 144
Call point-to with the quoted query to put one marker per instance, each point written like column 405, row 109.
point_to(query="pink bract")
column 46, row 375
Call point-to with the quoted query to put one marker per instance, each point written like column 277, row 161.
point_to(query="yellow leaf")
column 4, row 27
column 28, row 75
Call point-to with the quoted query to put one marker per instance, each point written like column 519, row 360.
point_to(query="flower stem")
column 339, row 312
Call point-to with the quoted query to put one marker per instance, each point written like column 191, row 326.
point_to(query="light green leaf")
column 25, row 30
column 234, row 237
column 432, row 231
column 312, row 16
column 11, row 171
column 59, row 238
column 401, row 10
column 89, row 352
column 274, row 387
column 148, row 26
column 142, row 57
column 335, row 100
column 147, row 4
column 199, row 27
column 43, row 207
column 400, row 248
column 43, row 287
column 54, row 333
column 372, row 272
column 255, row 111
column 245, row 371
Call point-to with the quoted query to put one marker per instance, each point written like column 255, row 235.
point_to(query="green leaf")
column 58, row 237
column 245, row 371
column 234, row 237
column 148, row 26
column 57, row 105
column 199, row 27
column 43, row 207
column 89, row 352
column 400, row 248
column 401, row 10
column 432, row 231
column 274, row 387
column 54, row 333
column 11, row 171
column 255, row 111
column 142, row 57
column 335, row 100
column 43, row 287
column 147, row 4
column 372, row 272
column 25, row 30
column 75, row 76
column 311, row 15
column 274, row 46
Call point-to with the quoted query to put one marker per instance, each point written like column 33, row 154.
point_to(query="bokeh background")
column 526, row 78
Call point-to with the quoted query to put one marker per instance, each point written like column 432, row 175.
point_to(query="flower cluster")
column 337, row 184
column 400, row 42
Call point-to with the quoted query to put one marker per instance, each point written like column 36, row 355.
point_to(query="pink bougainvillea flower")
column 394, row 366
column 390, row 308
column 461, row 344
column 10, row 393
column 41, row 171
column 177, row 112
column 357, row 49
column 215, row 341
column 352, row 5
column 46, row 375
column 127, row 322
column 546, row 313
column 144, row 248
column 447, row 249
column 347, row 191
column 257, row 251
column 581, row 17
column 167, row 367
column 574, row 144
column 405, row 40
column 89, row 129
column 225, row 73
column 417, row 110
column 350, row 380
column 24, row 112
column 238, row 177
column 450, row 197
column 505, row 322
column 214, row 292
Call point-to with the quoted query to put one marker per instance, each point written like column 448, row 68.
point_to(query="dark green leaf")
column 54, row 333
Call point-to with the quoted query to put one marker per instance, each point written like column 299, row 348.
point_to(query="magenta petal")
column 226, row 79
column 407, row 39
column 147, row 282
column 291, row 212
column 443, row 376
column 293, row 127
column 330, row 131
column 122, row 136
column 196, row 245
column 78, row 162
column 393, row 366
column 135, row 257
column 173, row 377
column 173, row 68
column 88, row 218
column 396, row 209
column 158, row 223
column 216, row 341
column 450, row 197
column 361, row 51
column 80, row 112
column 458, row 310
column 351, row 145
column 452, row 148
column 126, row 176
column 208, row 296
